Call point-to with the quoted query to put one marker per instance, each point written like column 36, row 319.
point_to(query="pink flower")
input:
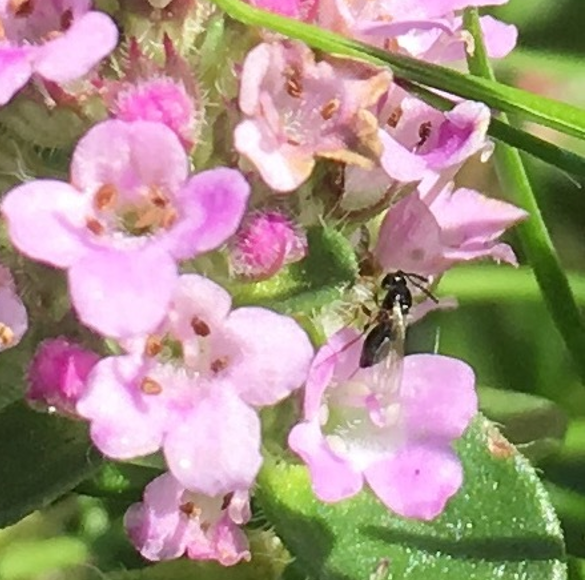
column 192, row 388
column 13, row 316
column 58, row 373
column 130, row 212
column 60, row 40
column 426, row 29
column 298, row 109
column 166, row 94
column 360, row 426
column 173, row 520
column 428, row 236
column 265, row 243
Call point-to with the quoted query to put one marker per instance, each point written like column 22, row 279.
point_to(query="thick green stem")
column 534, row 235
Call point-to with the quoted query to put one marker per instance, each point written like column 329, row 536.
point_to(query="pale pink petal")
column 282, row 167
column 44, row 218
column 131, row 157
column 275, row 354
column 214, row 203
column 500, row 38
column 438, row 396
column 216, row 447
column 124, row 423
column 410, row 238
column 123, row 293
column 417, row 481
column 332, row 477
column 400, row 163
column 402, row 9
column 90, row 38
column 15, row 70
column 475, row 251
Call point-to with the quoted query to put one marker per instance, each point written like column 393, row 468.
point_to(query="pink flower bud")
column 57, row 375
column 265, row 243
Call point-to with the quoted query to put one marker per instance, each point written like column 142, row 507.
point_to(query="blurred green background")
column 501, row 328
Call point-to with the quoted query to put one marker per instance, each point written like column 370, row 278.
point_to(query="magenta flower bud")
column 265, row 243
column 57, row 375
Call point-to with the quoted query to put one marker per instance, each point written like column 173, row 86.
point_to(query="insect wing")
column 387, row 375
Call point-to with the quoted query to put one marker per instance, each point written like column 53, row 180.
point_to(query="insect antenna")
column 418, row 281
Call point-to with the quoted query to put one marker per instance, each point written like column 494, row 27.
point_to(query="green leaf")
column 311, row 283
column 548, row 112
column 500, row 525
column 534, row 423
column 42, row 457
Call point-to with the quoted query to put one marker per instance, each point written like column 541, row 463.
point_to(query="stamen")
column 150, row 387
column 21, row 8
column 94, row 226
column 6, row 335
column 395, row 117
column 169, row 218
column 66, row 20
column 190, row 509
column 329, row 109
column 153, row 346
column 227, row 499
column 294, row 83
column 424, row 132
column 157, row 197
column 200, row 327
column 219, row 364
column 105, row 197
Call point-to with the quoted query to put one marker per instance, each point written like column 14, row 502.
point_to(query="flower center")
column 151, row 213
column 6, row 335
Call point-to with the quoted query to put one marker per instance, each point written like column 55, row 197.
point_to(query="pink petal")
column 401, row 9
column 275, row 354
column 130, row 156
column 44, row 218
column 417, row 481
column 123, row 293
column 15, row 70
column 438, row 396
column 124, row 422
column 398, row 162
column 410, row 238
column 214, row 203
column 90, row 38
column 282, row 167
column 332, row 477
column 216, row 448
column 500, row 38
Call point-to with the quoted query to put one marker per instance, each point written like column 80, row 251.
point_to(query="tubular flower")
column 297, row 109
column 60, row 40
column 428, row 236
column 395, row 435
column 130, row 212
column 172, row 521
column 192, row 387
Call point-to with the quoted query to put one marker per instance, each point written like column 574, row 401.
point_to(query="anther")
column 6, row 335
column 190, row 509
column 394, row 117
column 150, row 387
column 424, row 132
column 153, row 346
column 227, row 499
column 66, row 20
column 200, row 327
column 329, row 109
column 21, row 8
column 105, row 197
column 219, row 364
column 94, row 226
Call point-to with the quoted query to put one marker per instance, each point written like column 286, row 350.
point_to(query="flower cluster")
column 189, row 175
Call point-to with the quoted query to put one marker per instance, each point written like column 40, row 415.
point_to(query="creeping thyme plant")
column 205, row 363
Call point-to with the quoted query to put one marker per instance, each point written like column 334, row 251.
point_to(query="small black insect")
column 388, row 333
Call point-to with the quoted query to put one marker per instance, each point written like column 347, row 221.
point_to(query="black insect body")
column 387, row 334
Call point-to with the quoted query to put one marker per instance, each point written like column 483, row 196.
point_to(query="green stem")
column 534, row 236
column 554, row 114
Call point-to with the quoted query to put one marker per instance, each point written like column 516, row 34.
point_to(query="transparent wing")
column 387, row 374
